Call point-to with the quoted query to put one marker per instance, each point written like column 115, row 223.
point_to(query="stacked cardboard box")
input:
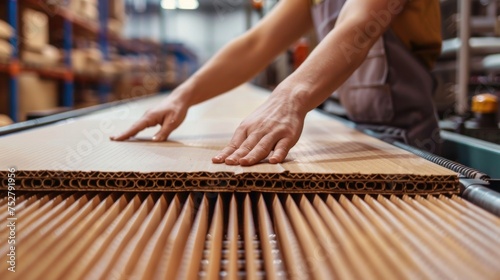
column 34, row 29
column 35, row 48
column 136, row 85
column 6, row 32
column 5, row 120
column 87, row 9
column 34, row 94
column 86, row 60
column 89, row 61
column 47, row 56
column 117, row 16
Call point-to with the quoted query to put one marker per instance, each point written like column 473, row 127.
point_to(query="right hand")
column 170, row 113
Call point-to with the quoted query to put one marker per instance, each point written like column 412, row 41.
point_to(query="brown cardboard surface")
column 5, row 49
column 34, row 29
column 329, row 157
column 117, row 9
column 6, row 31
column 47, row 56
column 36, row 93
column 115, row 26
column 84, row 8
column 5, row 120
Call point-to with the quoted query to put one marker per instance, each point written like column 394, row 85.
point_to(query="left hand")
column 274, row 128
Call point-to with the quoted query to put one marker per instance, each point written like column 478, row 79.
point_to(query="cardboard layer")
column 330, row 157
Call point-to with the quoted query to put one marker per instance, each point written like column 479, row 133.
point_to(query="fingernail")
column 155, row 138
column 216, row 160
column 248, row 160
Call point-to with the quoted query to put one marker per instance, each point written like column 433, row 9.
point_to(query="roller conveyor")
column 254, row 236
column 248, row 233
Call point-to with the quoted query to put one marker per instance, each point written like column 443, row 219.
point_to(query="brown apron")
column 391, row 88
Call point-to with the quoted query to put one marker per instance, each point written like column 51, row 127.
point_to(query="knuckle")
column 150, row 113
column 242, row 130
column 149, row 122
column 261, row 149
column 245, row 148
column 231, row 146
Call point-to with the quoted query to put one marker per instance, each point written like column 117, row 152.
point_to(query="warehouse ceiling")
column 154, row 6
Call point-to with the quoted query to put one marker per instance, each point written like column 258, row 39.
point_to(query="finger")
column 238, row 138
column 169, row 124
column 260, row 151
column 280, row 151
column 245, row 148
column 133, row 130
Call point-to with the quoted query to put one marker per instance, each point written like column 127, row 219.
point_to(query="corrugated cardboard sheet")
column 330, row 157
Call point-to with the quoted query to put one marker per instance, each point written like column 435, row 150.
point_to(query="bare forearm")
column 249, row 54
column 231, row 66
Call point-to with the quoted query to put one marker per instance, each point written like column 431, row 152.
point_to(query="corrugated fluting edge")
column 87, row 235
column 229, row 182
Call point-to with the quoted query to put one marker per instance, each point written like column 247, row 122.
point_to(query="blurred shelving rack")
column 13, row 67
column 70, row 31
column 72, row 26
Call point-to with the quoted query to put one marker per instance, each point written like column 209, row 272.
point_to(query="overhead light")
column 168, row 4
column 180, row 4
column 188, row 4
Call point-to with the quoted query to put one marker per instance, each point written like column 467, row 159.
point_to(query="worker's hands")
column 272, row 129
column 170, row 113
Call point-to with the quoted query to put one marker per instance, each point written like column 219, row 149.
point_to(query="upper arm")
column 341, row 52
column 380, row 11
column 285, row 24
column 367, row 18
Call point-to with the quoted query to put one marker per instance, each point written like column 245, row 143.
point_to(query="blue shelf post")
column 103, row 87
column 13, row 79
column 68, row 89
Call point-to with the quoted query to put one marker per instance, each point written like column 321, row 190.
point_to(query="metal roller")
column 481, row 196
